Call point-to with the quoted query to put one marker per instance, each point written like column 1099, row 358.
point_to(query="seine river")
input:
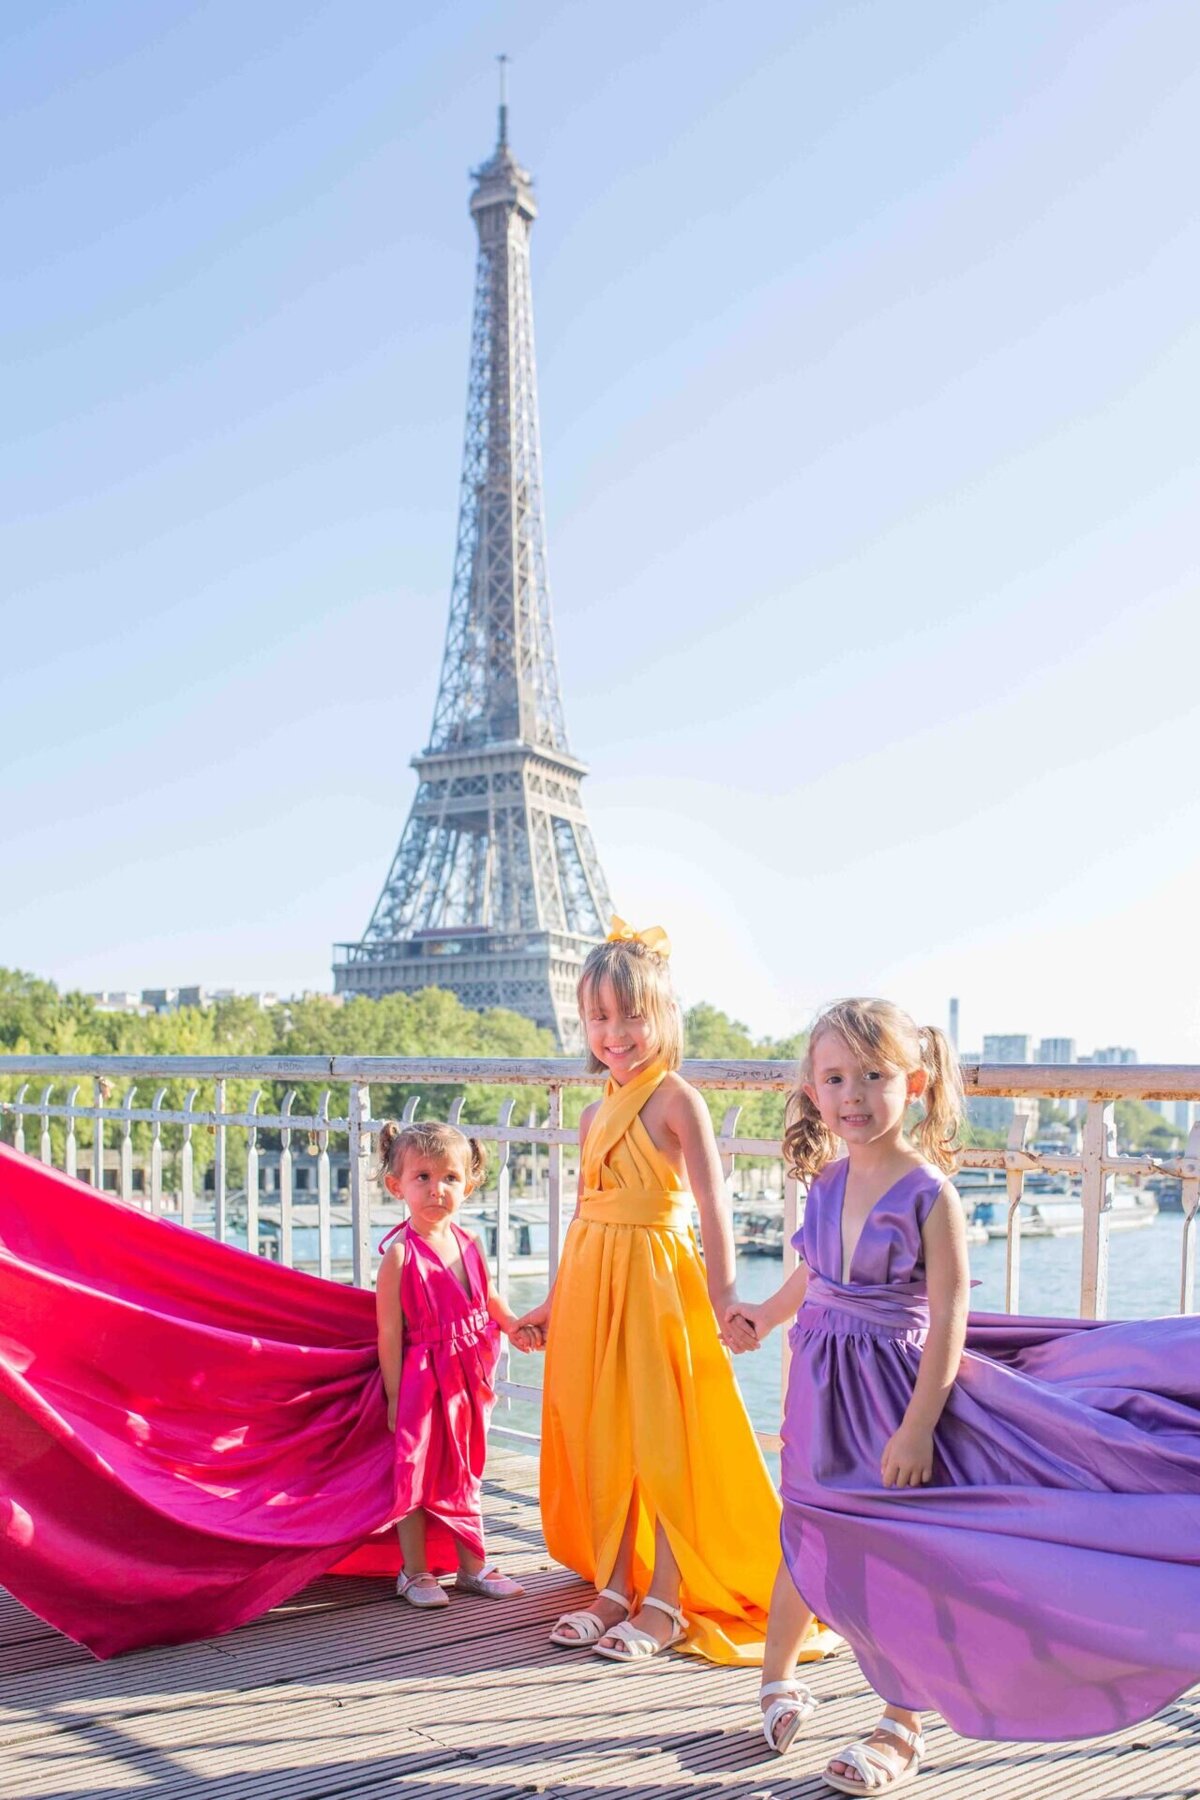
column 1143, row 1282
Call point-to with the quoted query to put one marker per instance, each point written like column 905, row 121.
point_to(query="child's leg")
column 411, row 1532
column 620, row 1578
column 664, row 1583
column 787, row 1623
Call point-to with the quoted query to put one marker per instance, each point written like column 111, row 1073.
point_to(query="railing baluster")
column 45, row 1145
column 156, row 1156
column 324, row 1206
column 1189, row 1197
column 125, row 1173
column 503, row 1179
column 187, row 1165
column 554, row 1178
column 359, row 1145
column 252, row 1243
column 19, row 1119
column 285, row 1181
column 220, row 1171
column 71, row 1156
column 99, row 1088
column 1098, row 1148
column 1014, row 1181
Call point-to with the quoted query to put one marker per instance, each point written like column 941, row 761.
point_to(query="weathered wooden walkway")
column 344, row 1693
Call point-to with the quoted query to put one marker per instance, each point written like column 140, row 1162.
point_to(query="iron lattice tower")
column 496, row 891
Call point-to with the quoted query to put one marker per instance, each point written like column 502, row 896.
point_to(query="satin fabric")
column 187, row 1433
column 446, row 1397
column 640, row 1399
column 1047, row 1584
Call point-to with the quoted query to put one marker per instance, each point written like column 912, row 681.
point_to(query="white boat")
column 1058, row 1212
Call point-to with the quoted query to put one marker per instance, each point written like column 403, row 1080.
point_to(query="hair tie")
column 654, row 938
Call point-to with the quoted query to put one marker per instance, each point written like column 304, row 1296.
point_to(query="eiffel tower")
column 496, row 891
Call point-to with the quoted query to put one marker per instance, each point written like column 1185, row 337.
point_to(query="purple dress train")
column 1047, row 1583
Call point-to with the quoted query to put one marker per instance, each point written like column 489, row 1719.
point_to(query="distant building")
column 118, row 1000
column 1056, row 1050
column 164, row 1000
column 1115, row 1053
column 1006, row 1047
column 953, row 1034
column 995, row 1112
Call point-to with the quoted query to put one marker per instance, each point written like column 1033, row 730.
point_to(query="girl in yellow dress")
column 652, row 1482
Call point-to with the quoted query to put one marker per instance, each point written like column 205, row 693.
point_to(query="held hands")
column 529, row 1332
column 739, row 1327
column 908, row 1457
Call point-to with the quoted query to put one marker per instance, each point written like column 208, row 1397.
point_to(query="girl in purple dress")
column 1000, row 1514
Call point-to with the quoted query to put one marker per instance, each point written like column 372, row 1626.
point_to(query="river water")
column 1143, row 1282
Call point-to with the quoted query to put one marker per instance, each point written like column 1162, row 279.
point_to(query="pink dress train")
column 189, row 1433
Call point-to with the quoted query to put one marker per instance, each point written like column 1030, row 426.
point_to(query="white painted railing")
column 106, row 1119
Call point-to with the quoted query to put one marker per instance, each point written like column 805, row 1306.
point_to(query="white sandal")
column 795, row 1702
column 639, row 1645
column 876, row 1763
column 587, row 1627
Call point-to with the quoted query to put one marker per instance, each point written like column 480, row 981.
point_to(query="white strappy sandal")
column 876, row 1763
column 587, row 1627
column 639, row 1645
column 795, row 1703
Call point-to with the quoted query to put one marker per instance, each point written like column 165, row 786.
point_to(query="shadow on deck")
column 343, row 1693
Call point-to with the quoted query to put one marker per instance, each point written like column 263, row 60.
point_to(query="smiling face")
column 623, row 1040
column 862, row 1104
column 432, row 1187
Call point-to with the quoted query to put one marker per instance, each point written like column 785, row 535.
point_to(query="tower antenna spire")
column 503, row 62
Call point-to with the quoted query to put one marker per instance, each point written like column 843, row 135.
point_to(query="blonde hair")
column 433, row 1140
column 879, row 1035
column 641, row 983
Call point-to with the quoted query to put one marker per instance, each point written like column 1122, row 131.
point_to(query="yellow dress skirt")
column 640, row 1404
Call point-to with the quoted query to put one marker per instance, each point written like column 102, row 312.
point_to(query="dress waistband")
column 466, row 1330
column 883, row 1311
column 661, row 1208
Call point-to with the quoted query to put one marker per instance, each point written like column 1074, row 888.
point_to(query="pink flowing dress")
column 446, row 1396
column 189, row 1433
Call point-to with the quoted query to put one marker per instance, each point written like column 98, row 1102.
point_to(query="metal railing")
column 104, row 1118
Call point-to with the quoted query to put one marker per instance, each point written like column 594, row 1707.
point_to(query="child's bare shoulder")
column 681, row 1103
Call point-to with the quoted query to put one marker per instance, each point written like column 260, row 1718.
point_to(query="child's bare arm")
column 908, row 1457
column 389, row 1321
column 516, row 1330
column 688, row 1118
column 777, row 1308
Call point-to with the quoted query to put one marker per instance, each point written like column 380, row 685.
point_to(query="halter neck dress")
column 640, row 1399
column 446, row 1395
column 1047, row 1583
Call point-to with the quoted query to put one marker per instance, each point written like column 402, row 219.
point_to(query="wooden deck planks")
column 343, row 1694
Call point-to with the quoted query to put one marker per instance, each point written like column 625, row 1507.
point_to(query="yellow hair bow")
column 654, row 937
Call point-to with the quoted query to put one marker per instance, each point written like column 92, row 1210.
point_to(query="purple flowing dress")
column 1047, row 1583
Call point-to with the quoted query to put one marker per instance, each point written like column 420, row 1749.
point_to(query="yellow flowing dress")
column 640, row 1399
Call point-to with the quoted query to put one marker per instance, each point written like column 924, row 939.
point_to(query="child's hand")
column 739, row 1327
column 908, row 1457
column 527, row 1337
column 391, row 1415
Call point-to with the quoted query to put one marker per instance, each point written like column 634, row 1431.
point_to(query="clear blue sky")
column 869, row 366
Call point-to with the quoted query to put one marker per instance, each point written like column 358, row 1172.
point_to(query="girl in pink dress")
column 439, row 1324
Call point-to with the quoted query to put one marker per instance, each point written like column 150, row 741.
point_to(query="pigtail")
column 808, row 1144
column 936, row 1133
column 388, row 1135
column 478, row 1161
